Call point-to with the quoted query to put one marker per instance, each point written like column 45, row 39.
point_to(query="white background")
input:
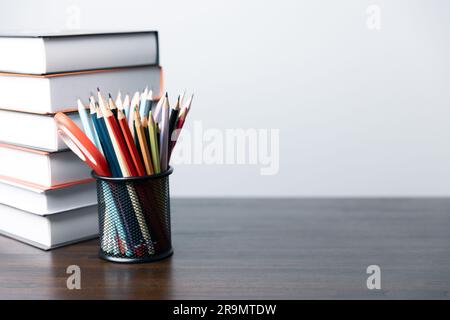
column 360, row 112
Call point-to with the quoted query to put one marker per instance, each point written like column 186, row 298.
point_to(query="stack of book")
column 47, row 195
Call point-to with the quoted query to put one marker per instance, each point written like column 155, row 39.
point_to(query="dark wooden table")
column 259, row 249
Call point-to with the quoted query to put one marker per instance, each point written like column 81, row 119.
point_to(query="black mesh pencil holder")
column 134, row 218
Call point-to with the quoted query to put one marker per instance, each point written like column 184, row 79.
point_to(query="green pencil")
column 154, row 148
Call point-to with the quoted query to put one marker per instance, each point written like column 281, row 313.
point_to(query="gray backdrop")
column 362, row 110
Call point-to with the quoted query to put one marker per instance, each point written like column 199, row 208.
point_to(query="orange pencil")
column 130, row 143
column 143, row 143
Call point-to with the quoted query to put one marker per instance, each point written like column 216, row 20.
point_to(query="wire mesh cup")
column 134, row 218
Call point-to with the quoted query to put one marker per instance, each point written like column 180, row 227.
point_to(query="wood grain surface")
column 259, row 249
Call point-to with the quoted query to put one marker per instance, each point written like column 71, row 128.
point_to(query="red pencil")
column 130, row 143
column 123, row 155
column 179, row 125
column 183, row 113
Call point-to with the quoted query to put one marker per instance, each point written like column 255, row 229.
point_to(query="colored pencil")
column 173, row 118
column 119, row 102
column 179, row 125
column 123, row 155
column 130, row 144
column 93, row 119
column 148, row 102
column 183, row 95
column 138, row 144
column 158, row 108
column 111, row 157
column 112, row 105
column 88, row 126
column 184, row 112
column 153, row 137
column 164, row 136
column 127, row 168
column 143, row 102
column 135, row 137
column 144, row 123
column 133, row 105
column 126, row 106
column 143, row 144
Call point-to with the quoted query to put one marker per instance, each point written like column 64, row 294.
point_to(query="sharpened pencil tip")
column 98, row 89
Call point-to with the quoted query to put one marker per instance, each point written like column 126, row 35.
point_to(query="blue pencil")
column 87, row 125
column 129, row 222
column 111, row 157
column 112, row 216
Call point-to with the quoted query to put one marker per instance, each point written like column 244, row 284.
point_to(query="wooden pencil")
column 133, row 105
column 158, row 108
column 112, row 106
column 105, row 140
column 149, row 102
column 88, row 127
column 93, row 119
column 144, row 123
column 123, row 156
column 143, row 102
column 130, row 144
column 154, row 148
column 183, row 95
column 112, row 217
column 164, row 136
column 173, row 118
column 119, row 102
column 127, row 168
column 126, row 106
column 179, row 125
column 143, row 143
column 184, row 112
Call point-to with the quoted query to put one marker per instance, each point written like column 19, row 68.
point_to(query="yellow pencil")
column 143, row 143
